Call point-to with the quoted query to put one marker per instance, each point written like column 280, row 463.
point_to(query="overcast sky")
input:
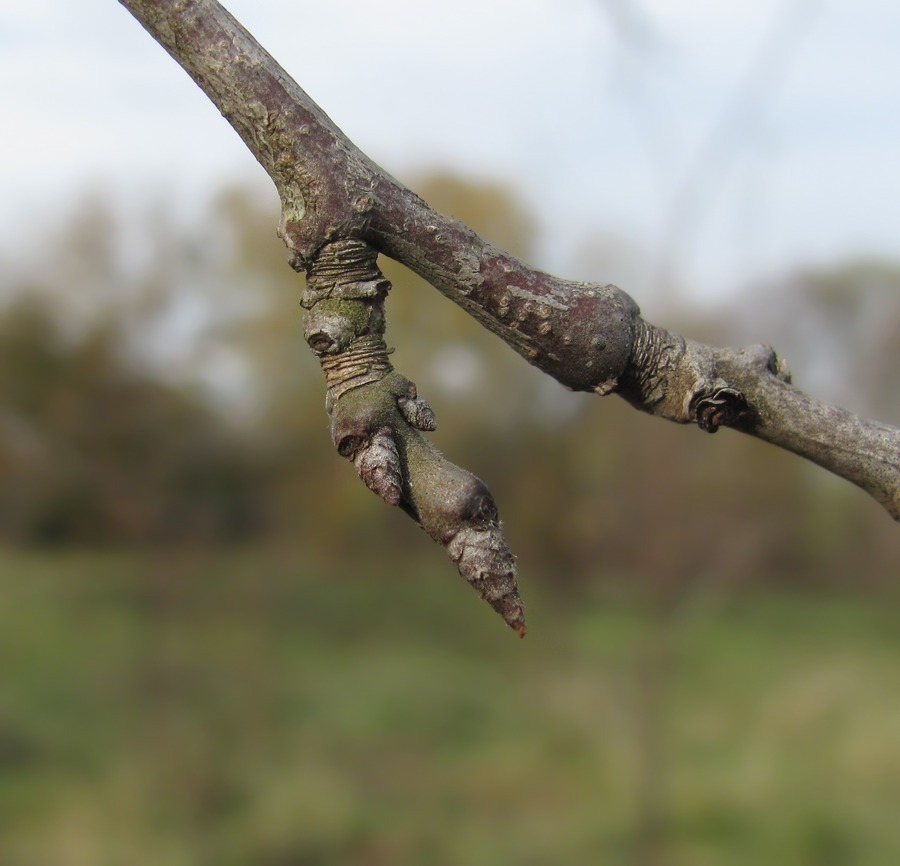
column 729, row 139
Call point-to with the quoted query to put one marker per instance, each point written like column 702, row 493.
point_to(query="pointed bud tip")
column 515, row 619
column 510, row 607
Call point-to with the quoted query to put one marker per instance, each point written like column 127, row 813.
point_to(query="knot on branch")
column 724, row 407
column 716, row 402
column 763, row 357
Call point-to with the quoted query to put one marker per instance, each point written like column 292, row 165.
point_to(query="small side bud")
column 723, row 407
column 418, row 413
column 378, row 464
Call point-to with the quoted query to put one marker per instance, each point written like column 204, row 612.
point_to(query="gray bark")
column 589, row 337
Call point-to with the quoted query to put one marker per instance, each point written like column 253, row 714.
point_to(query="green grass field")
column 244, row 708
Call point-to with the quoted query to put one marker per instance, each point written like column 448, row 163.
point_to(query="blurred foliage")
column 155, row 389
column 98, row 453
column 263, row 708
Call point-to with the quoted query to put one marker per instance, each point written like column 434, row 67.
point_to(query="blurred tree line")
column 155, row 390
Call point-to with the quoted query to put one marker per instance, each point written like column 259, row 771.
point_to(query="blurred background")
column 217, row 647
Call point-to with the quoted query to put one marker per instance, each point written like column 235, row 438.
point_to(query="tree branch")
column 589, row 337
column 376, row 415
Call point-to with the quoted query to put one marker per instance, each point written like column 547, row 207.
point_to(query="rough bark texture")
column 588, row 337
